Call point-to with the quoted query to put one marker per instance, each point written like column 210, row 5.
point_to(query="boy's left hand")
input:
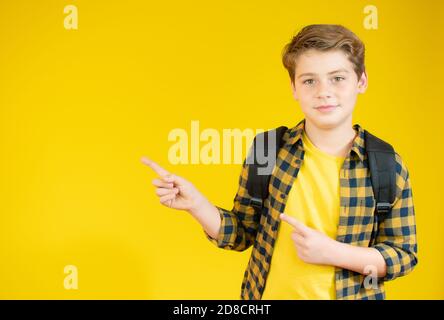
column 311, row 245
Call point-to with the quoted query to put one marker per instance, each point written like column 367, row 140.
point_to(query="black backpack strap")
column 382, row 165
column 257, row 184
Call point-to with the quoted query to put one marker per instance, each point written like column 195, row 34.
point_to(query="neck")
column 335, row 141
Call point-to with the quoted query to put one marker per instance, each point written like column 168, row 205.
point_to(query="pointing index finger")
column 156, row 168
column 299, row 226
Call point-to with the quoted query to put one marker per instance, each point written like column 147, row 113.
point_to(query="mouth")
column 326, row 108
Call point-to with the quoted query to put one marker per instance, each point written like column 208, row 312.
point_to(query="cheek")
column 349, row 96
column 347, row 90
column 307, row 91
column 306, row 95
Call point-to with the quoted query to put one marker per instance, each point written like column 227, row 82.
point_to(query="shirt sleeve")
column 396, row 240
column 239, row 226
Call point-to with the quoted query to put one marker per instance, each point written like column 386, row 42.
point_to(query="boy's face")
column 327, row 78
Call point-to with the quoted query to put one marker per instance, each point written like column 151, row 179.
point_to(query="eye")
column 339, row 79
column 308, row 81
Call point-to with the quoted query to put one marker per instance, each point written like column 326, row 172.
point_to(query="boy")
column 320, row 188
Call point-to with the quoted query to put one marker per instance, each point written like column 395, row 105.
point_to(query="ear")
column 293, row 90
column 363, row 83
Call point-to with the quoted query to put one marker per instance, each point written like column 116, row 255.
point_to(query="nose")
column 324, row 90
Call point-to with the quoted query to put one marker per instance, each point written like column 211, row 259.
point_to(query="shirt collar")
column 358, row 147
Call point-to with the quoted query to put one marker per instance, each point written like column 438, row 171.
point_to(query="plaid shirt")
column 396, row 238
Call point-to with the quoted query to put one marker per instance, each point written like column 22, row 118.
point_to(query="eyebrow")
column 331, row 72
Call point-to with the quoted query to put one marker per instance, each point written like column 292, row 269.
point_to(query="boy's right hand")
column 174, row 191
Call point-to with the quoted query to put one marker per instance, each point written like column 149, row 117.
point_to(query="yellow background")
column 79, row 108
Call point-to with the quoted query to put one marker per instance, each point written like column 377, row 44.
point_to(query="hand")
column 311, row 245
column 174, row 191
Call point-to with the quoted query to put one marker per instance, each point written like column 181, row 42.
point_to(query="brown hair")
column 324, row 37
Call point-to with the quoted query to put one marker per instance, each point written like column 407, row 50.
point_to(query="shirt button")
column 283, row 195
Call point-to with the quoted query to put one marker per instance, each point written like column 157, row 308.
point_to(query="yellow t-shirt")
column 314, row 200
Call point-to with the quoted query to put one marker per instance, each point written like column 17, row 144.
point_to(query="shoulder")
column 401, row 167
column 403, row 188
column 378, row 143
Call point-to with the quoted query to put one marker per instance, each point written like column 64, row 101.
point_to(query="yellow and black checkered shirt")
column 242, row 227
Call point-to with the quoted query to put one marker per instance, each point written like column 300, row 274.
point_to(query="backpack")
column 382, row 165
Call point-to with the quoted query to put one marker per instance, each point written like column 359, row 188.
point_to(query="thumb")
column 174, row 178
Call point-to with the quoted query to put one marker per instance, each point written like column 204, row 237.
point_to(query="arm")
column 238, row 227
column 313, row 246
column 235, row 230
column 358, row 259
column 395, row 250
column 394, row 253
column 396, row 241
column 208, row 216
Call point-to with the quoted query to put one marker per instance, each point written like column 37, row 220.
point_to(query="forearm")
column 359, row 259
column 208, row 216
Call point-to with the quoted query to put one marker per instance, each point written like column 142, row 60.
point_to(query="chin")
column 326, row 121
